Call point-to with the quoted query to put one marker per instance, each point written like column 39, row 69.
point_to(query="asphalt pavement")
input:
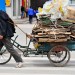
column 37, row 65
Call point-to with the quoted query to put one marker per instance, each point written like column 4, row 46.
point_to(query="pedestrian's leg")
column 22, row 15
column 29, row 19
column 9, row 47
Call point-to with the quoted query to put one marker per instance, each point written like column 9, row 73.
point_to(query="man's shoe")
column 19, row 65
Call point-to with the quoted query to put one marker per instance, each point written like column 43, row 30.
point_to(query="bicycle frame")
column 26, row 48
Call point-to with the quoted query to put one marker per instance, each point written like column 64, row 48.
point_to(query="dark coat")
column 6, row 29
column 22, row 8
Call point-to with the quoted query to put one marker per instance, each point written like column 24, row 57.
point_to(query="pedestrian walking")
column 7, row 31
column 30, row 14
column 22, row 12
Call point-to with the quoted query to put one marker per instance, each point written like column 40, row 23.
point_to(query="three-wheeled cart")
column 54, row 41
column 58, row 53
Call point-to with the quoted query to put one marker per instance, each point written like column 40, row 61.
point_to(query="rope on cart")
column 27, row 35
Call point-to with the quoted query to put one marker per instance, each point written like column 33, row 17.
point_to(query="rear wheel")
column 5, row 56
column 59, row 55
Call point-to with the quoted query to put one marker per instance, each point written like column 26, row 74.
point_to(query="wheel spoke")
column 60, row 57
column 5, row 56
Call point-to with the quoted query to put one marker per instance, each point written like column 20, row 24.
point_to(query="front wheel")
column 5, row 56
column 59, row 55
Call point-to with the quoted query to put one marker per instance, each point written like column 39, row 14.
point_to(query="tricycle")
column 58, row 53
column 47, row 42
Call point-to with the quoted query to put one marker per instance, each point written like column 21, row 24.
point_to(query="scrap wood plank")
column 37, row 36
column 69, row 20
column 52, row 40
column 72, row 36
column 51, row 31
column 67, row 33
column 51, row 36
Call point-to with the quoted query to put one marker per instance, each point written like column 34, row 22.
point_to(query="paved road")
column 23, row 21
column 37, row 66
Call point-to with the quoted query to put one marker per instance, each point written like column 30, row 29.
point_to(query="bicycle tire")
column 5, row 56
column 61, row 62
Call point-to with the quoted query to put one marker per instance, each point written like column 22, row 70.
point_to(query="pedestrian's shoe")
column 19, row 65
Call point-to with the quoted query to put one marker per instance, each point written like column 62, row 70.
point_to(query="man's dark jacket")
column 6, row 29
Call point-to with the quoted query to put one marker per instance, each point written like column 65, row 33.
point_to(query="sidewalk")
column 22, row 21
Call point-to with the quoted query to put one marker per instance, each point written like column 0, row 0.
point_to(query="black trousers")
column 9, row 47
column 30, row 18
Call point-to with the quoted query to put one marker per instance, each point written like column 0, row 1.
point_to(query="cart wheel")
column 5, row 56
column 59, row 55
